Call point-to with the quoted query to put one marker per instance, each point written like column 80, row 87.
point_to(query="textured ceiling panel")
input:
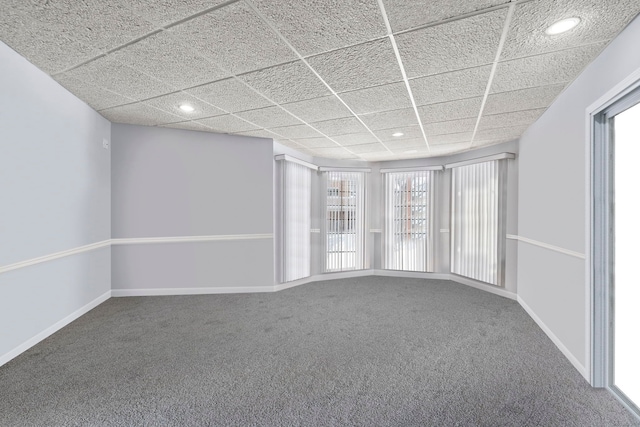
column 342, row 126
column 110, row 74
column 231, row 95
column 298, row 131
column 454, row 110
column 355, row 138
column 392, row 96
column 227, row 124
column 599, row 21
column 443, row 149
column 287, row 83
column 516, row 118
column 336, row 153
column 450, row 86
column 405, row 144
column 316, row 142
column 523, row 99
column 314, row 26
column 182, row 69
column 163, row 12
column 357, row 67
column 171, row 104
column 97, row 97
column 138, row 114
column 269, row 116
column 315, row 110
column 452, row 46
column 405, row 14
column 499, row 134
column 188, row 126
column 407, row 132
column 235, row 38
column 389, row 119
column 542, row 70
column 378, row 156
column 451, row 138
column 451, row 126
column 367, row 148
column 260, row 133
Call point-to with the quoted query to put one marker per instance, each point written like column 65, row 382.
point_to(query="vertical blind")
column 408, row 232
column 477, row 221
column 344, row 221
column 296, row 221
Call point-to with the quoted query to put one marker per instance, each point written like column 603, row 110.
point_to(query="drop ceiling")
column 328, row 78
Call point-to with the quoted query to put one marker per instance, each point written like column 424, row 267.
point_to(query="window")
column 344, row 221
column 295, row 227
column 477, row 221
column 408, row 229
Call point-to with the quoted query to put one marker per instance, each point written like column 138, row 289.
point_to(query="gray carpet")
column 371, row 351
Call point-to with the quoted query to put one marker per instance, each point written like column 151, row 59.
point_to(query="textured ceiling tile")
column 318, row 109
column 260, row 133
column 367, row 148
column 500, row 134
column 542, row 70
column 355, row 138
column 235, row 38
column 269, row 117
column 295, row 146
column 298, row 131
column 357, row 67
column 392, row 96
column 334, row 153
column 138, row 114
column 340, row 126
column 451, row 138
column 407, row 132
column 97, row 97
column 231, row 95
column 442, row 149
column 162, row 57
column 451, row 126
column 390, row 119
column 287, row 83
column 599, row 21
column 405, row 14
column 110, row 74
column 524, row 99
column 227, row 124
column 316, row 142
column 314, row 26
column 450, row 86
column 171, row 104
column 454, row 110
column 163, row 12
column 188, row 126
column 405, row 144
column 452, row 46
column 378, row 156
column 517, row 118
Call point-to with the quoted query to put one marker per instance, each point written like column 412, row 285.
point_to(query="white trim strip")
column 315, row 230
column 444, row 230
column 56, row 255
column 345, row 169
column 576, row 364
column 375, row 230
column 547, row 246
column 416, row 168
column 498, row 156
column 116, row 293
column 53, row 328
column 288, row 158
column 187, row 239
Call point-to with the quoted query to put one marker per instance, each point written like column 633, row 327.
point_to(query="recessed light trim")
column 397, row 134
column 562, row 26
column 187, row 108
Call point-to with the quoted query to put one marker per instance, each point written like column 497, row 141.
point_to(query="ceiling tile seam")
column 199, row 14
column 578, row 46
column 304, row 61
column 402, row 70
column 454, row 70
column 503, row 39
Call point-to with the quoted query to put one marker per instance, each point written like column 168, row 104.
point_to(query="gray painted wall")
column 55, row 186
column 169, row 183
column 552, row 202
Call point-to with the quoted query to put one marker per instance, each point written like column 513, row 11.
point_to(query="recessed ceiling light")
column 562, row 26
column 410, row 151
column 186, row 108
column 397, row 134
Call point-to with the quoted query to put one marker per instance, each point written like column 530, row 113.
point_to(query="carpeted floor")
column 371, row 351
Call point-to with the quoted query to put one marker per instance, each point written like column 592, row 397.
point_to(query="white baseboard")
column 483, row 286
column 412, row 274
column 189, row 291
column 54, row 328
column 576, row 364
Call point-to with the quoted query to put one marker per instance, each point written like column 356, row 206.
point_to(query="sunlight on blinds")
column 296, row 221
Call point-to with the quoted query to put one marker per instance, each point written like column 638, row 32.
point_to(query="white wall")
column 55, row 187
column 552, row 202
column 179, row 183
